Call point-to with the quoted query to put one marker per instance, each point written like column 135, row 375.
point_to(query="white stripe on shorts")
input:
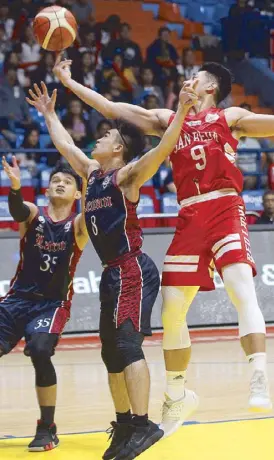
column 226, row 239
column 227, row 248
column 182, row 259
column 180, row 268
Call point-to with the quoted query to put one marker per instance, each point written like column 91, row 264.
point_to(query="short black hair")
column 133, row 139
column 163, row 29
column 222, row 76
column 66, row 169
column 267, row 192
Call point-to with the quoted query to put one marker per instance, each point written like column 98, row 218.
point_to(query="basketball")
column 55, row 28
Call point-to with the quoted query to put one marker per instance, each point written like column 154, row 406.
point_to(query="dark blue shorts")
column 23, row 318
column 128, row 291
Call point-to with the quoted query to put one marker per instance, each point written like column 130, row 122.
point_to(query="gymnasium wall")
column 208, row 308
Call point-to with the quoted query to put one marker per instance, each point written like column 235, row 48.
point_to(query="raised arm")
column 59, row 135
column 22, row 212
column 247, row 124
column 138, row 172
column 153, row 122
column 80, row 229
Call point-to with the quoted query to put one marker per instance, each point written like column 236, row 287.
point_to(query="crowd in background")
column 106, row 59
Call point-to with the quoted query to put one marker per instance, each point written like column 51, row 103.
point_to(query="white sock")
column 176, row 384
column 257, row 362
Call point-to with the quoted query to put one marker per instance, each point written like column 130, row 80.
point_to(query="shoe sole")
column 149, row 442
column 46, row 448
column 258, row 409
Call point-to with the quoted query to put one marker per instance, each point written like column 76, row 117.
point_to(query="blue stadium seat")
column 154, row 7
column 253, row 200
column 26, row 179
column 183, row 10
column 19, row 140
column 4, row 209
column 146, row 205
column 169, row 203
column 45, row 178
column 44, row 140
column 201, row 13
column 41, row 200
column 179, row 28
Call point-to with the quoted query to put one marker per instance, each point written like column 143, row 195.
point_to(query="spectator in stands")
column 251, row 162
column 268, row 203
column 86, row 73
column 30, row 160
column 6, row 19
column 12, row 60
column 76, row 124
column 89, row 44
column 25, row 8
column 151, row 101
column 161, row 54
column 147, row 86
column 14, row 108
column 187, row 67
column 29, row 49
column 5, row 45
column 108, row 30
column 96, row 117
column 83, row 11
column 114, row 88
column 125, row 46
column 173, row 90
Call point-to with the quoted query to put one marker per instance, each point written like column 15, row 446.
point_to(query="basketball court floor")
column 222, row 428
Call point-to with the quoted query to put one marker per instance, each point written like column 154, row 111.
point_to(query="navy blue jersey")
column 111, row 219
column 48, row 258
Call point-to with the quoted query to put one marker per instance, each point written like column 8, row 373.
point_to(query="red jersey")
column 204, row 157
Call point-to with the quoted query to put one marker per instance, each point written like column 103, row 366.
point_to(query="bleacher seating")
column 146, row 206
column 28, row 191
column 169, row 205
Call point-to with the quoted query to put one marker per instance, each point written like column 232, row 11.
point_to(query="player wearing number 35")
column 38, row 303
column 130, row 280
column 211, row 229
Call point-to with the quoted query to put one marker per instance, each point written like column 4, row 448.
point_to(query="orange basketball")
column 55, row 28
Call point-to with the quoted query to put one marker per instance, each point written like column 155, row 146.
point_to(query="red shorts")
column 210, row 233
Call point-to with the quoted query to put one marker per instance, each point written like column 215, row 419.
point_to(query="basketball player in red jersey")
column 211, row 229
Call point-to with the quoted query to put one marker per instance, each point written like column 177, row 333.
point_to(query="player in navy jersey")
column 38, row 303
column 130, row 280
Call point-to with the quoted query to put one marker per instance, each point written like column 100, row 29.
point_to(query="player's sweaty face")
column 62, row 186
column 104, row 147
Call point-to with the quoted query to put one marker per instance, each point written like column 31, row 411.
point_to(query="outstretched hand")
column 188, row 96
column 13, row 172
column 61, row 69
column 41, row 99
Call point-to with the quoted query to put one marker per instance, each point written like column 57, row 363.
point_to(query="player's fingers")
column 66, row 63
column 14, row 161
column 54, row 96
column 37, row 90
column 30, row 101
column 195, row 84
column 33, row 95
column 58, row 57
column 44, row 89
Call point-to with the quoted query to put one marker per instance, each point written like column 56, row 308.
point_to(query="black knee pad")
column 124, row 350
column 41, row 345
column 45, row 375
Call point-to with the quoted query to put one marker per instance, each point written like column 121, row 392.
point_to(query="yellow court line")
column 243, row 440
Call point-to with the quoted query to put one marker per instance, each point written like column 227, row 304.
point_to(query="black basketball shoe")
column 45, row 438
column 119, row 435
column 142, row 438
